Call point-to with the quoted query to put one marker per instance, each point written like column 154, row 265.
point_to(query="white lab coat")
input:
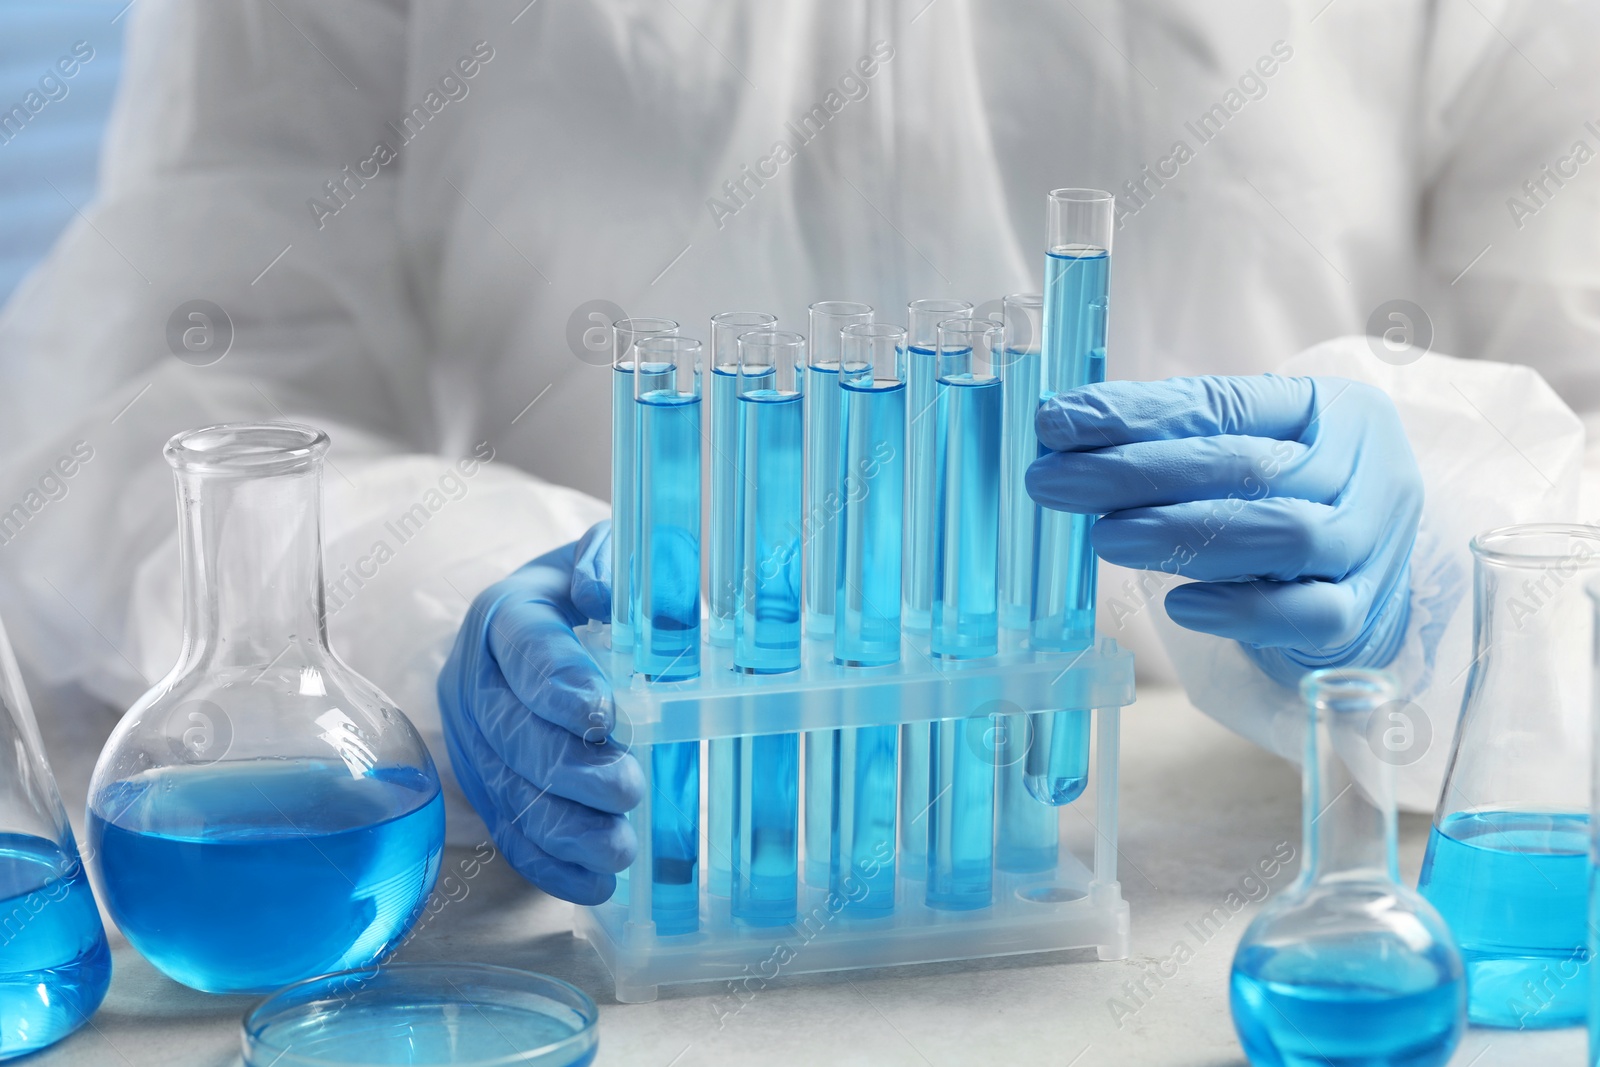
column 1335, row 157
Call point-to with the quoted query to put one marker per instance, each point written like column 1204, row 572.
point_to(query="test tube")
column 1076, row 273
column 922, row 394
column 1027, row 837
column 666, row 607
column 1077, row 276
column 624, row 493
column 724, row 574
column 961, row 786
column 725, row 330
column 766, row 640
column 823, row 501
column 872, row 415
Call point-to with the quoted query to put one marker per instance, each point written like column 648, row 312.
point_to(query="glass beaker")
column 1348, row 966
column 54, row 961
column 1506, row 860
column 263, row 814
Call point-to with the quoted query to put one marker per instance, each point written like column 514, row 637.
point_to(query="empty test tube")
column 666, row 609
column 872, row 417
column 624, row 493
column 823, row 502
column 766, row 771
column 1077, row 277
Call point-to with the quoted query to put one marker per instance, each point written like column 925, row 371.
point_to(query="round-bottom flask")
column 263, row 814
column 1348, row 966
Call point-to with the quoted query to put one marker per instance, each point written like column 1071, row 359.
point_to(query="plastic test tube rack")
column 1076, row 904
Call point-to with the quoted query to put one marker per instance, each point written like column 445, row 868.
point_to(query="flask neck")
column 1349, row 820
column 252, row 566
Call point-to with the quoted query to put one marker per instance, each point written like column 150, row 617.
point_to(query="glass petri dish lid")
column 422, row 1015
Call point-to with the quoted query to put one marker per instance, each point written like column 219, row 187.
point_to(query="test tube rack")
column 1076, row 905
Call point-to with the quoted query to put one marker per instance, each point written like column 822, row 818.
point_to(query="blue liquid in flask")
column 867, row 622
column 624, row 497
column 55, row 965
column 922, row 443
column 822, row 495
column 1512, row 886
column 1017, row 520
column 724, row 531
column 767, row 626
column 246, row 875
column 666, row 573
column 1360, row 1004
column 966, row 620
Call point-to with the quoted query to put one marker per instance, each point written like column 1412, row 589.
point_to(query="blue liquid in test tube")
column 666, row 588
column 867, row 625
column 961, row 770
column 766, row 771
column 1026, row 831
column 724, row 359
column 823, row 502
column 1077, row 280
column 624, row 492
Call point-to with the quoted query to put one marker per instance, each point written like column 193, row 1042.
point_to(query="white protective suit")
column 403, row 208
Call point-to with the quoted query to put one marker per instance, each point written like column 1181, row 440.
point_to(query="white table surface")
column 1199, row 808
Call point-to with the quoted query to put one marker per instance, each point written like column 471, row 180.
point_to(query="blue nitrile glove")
column 1293, row 501
column 528, row 721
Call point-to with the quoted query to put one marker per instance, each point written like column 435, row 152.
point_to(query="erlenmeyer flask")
column 54, row 962
column 1347, row 966
column 1506, row 862
column 263, row 814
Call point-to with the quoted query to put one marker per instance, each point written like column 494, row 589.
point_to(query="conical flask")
column 54, row 962
column 1506, row 863
column 263, row 814
column 1348, row 966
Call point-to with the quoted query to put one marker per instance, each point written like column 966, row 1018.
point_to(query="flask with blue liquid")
column 55, row 965
column 1348, row 966
column 264, row 814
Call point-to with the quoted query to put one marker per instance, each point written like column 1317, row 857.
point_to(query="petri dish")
column 421, row 1015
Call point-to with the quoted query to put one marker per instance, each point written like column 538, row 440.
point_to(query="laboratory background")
column 895, row 532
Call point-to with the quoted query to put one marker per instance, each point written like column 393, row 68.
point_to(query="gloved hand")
column 528, row 721
column 1294, row 501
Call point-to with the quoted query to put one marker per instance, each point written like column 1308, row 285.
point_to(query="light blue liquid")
column 1020, row 447
column 823, row 501
column 1058, row 763
column 720, row 796
column 765, row 831
column 818, row 802
column 922, row 443
column 1027, row 837
column 1511, row 886
column 867, row 623
column 55, row 965
column 960, row 815
column 862, row 853
column 966, row 623
column 624, row 503
column 1356, row 1006
column 724, row 533
column 247, row 875
column 675, row 837
column 1074, row 354
column 915, row 743
column 767, row 622
column 666, row 579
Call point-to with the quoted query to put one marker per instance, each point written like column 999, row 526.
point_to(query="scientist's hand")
column 528, row 721
column 1293, row 501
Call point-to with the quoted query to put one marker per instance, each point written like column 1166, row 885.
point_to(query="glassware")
column 625, row 333
column 54, row 961
column 1348, row 966
column 263, row 813
column 724, row 366
column 1506, row 862
column 424, row 1015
